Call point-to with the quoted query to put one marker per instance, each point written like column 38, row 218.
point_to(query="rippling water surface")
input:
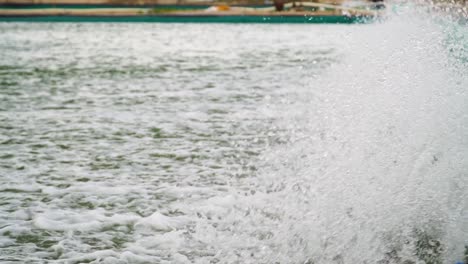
column 150, row 143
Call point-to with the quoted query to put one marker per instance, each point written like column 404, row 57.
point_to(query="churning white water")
column 147, row 143
column 375, row 170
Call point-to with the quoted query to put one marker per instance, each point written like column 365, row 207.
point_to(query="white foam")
column 20, row 188
column 160, row 222
column 5, row 242
column 65, row 220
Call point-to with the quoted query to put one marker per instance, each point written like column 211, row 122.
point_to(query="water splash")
column 375, row 167
column 378, row 170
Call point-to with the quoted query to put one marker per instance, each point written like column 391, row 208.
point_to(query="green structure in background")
column 279, row 12
column 192, row 19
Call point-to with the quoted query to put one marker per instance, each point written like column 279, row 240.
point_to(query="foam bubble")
column 65, row 220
